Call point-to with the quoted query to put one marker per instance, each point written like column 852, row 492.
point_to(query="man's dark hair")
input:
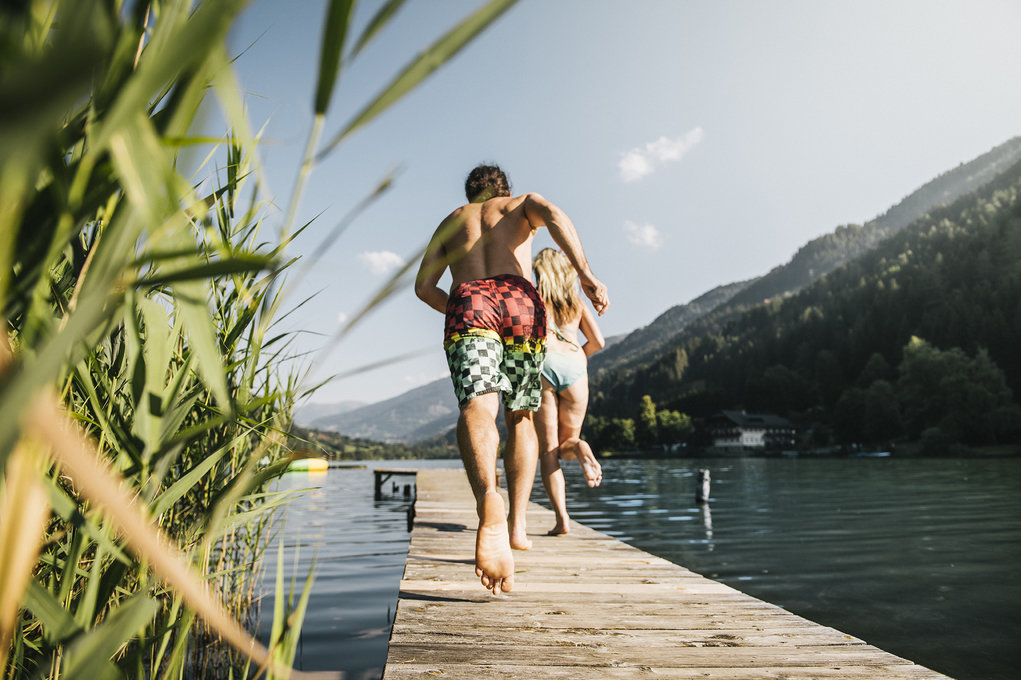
column 485, row 182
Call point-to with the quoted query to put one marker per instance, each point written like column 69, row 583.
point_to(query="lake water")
column 919, row 557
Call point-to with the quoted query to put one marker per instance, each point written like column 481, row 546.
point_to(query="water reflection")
column 707, row 523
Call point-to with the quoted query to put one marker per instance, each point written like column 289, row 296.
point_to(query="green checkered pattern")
column 480, row 364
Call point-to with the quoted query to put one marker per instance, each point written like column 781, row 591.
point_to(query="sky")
column 693, row 143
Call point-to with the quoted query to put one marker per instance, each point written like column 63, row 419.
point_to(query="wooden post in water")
column 702, row 490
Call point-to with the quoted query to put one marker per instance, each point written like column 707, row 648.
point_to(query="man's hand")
column 596, row 292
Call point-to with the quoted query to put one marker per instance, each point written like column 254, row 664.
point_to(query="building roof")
column 745, row 419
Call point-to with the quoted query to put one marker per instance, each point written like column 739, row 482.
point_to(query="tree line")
column 336, row 446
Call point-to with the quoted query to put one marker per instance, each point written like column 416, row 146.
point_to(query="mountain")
column 812, row 261
column 419, row 414
column 305, row 414
column 917, row 338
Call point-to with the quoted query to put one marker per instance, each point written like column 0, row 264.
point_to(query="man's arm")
column 541, row 212
column 434, row 263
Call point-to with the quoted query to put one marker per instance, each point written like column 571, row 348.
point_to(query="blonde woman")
column 564, row 379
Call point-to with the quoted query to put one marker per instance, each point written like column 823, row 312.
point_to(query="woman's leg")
column 571, row 406
column 549, row 462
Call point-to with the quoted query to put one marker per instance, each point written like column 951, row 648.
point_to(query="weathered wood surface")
column 589, row 606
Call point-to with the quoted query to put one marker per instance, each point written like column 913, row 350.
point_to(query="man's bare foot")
column 589, row 465
column 519, row 540
column 494, row 562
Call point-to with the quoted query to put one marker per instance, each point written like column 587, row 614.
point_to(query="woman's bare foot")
column 560, row 529
column 589, row 465
column 494, row 562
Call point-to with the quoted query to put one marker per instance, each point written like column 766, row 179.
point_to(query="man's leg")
column 478, row 441
column 519, row 460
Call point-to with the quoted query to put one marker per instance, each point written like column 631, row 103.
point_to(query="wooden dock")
column 586, row 605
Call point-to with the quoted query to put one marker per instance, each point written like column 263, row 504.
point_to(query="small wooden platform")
column 383, row 475
column 589, row 606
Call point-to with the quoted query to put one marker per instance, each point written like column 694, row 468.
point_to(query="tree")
column 610, row 433
column 646, row 425
column 918, row 386
column 673, row 426
column 829, row 377
column 882, row 420
column 967, row 399
column 621, row 434
column 849, row 415
column 876, row 368
column 779, row 390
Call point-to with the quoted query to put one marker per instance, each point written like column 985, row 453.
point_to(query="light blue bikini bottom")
column 563, row 369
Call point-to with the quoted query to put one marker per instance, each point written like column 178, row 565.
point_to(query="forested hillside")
column 815, row 259
column 917, row 338
column 648, row 340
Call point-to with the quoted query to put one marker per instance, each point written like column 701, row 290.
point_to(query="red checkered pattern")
column 506, row 304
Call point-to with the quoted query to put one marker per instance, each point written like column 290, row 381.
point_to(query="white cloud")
column 341, row 318
column 643, row 160
column 634, row 165
column 381, row 261
column 645, row 235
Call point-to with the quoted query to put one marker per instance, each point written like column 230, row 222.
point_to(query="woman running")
column 564, row 379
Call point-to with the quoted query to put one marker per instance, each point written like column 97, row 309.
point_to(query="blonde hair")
column 557, row 283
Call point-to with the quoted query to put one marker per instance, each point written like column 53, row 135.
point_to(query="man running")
column 494, row 339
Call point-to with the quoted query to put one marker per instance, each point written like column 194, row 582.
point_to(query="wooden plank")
column 648, row 653
column 452, row 671
column 627, row 637
column 586, row 605
column 702, row 618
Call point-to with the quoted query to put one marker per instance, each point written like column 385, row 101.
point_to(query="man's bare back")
column 488, row 239
column 482, row 240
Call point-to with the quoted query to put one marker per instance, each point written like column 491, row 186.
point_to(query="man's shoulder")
column 462, row 212
column 506, row 204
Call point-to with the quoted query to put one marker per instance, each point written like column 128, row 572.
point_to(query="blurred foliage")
column 142, row 376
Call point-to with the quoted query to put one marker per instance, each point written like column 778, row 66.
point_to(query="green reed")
column 143, row 382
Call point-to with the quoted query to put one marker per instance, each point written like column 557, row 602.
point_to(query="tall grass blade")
column 57, row 623
column 379, row 20
column 198, row 324
column 431, row 59
column 338, row 18
column 89, row 655
column 288, row 618
column 21, row 496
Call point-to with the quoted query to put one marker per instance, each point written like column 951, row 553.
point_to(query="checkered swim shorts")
column 495, row 340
